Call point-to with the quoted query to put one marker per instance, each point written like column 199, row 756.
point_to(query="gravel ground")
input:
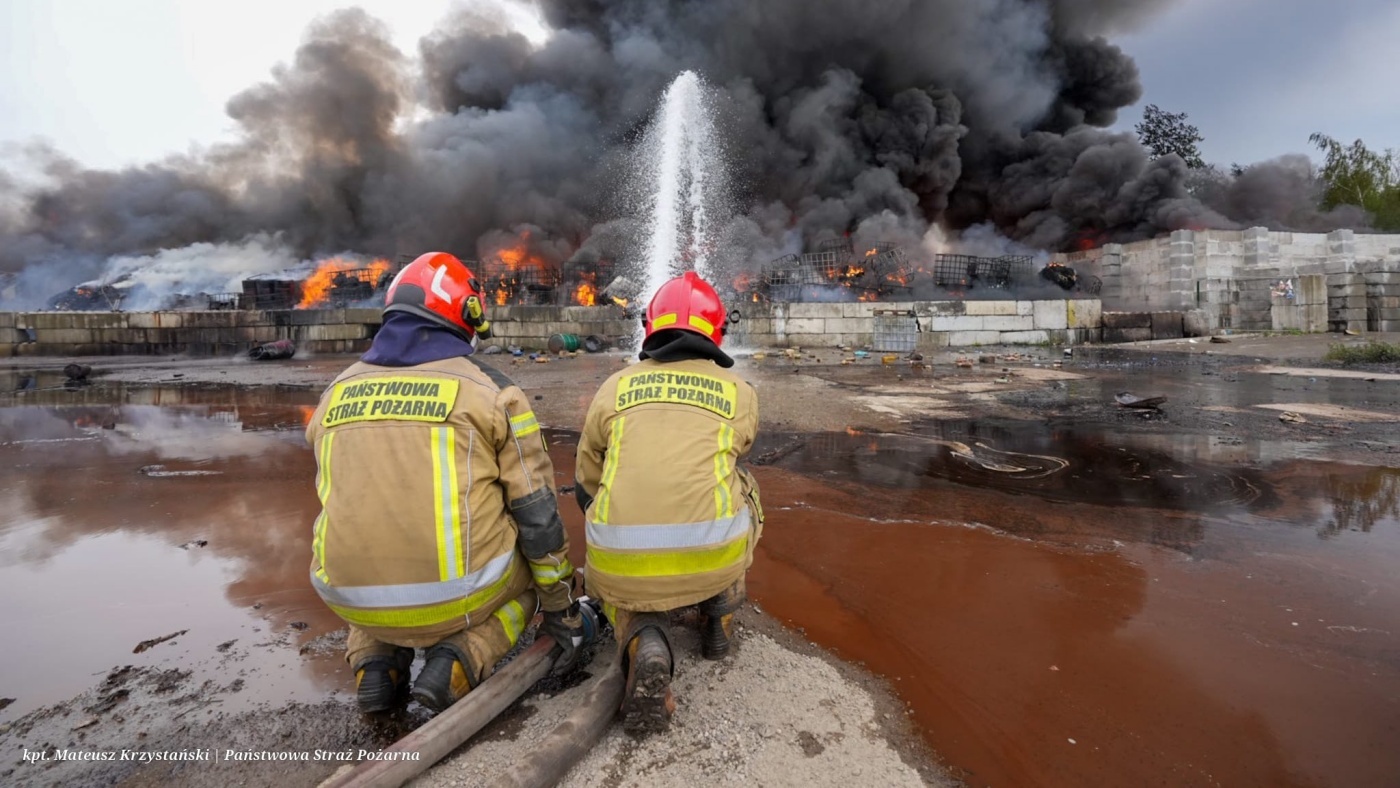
column 772, row 713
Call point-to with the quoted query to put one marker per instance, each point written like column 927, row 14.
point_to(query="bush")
column 1370, row 353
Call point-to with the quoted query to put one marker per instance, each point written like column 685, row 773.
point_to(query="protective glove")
column 566, row 627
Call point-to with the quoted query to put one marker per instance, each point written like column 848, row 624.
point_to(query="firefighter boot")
column 647, row 702
column 381, row 679
column 445, row 678
column 717, row 622
column 714, row 636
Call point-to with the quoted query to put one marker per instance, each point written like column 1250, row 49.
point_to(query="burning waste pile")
column 885, row 273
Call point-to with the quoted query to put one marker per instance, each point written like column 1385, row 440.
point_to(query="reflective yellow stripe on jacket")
column 661, row 550
column 447, row 515
column 603, row 504
column 417, row 604
column 323, row 491
column 546, row 575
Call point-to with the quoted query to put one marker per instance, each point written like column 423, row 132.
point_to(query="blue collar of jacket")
column 407, row 340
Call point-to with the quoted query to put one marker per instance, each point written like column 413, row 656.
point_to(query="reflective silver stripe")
column 414, row 594
column 665, row 537
column 549, row 575
column 524, row 424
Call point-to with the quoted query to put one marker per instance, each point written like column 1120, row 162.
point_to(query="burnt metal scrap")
column 837, row 271
column 273, row 351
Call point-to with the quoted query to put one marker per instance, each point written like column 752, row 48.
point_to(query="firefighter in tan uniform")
column 672, row 520
column 439, row 526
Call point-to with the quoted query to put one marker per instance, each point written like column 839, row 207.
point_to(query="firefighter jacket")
column 671, row 519
column 438, row 500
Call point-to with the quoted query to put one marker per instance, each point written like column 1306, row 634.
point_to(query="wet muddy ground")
column 1067, row 593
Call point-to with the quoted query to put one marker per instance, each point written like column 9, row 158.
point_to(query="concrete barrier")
column 937, row 323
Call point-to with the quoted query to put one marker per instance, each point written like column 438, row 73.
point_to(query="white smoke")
column 151, row 281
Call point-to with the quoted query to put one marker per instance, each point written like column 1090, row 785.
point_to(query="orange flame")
column 586, row 295
column 622, row 302
column 307, row 411
column 502, row 295
column 316, row 290
column 872, row 252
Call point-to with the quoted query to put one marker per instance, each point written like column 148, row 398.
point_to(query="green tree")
column 1357, row 175
column 1165, row 132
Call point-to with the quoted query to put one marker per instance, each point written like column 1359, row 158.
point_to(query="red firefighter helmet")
column 687, row 303
column 441, row 288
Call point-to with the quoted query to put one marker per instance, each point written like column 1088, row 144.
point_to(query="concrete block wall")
column 530, row 327
column 1223, row 276
column 1306, row 311
column 231, row 332
column 938, row 324
column 199, row 333
column 1382, row 297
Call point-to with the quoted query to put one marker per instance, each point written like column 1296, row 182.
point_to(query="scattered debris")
column 153, row 642
column 195, row 543
column 594, row 343
column 1220, row 340
column 77, row 371
column 493, row 350
column 87, row 723
column 300, row 626
column 1127, row 400
column 889, row 358
column 273, row 351
column 159, row 471
column 566, row 489
column 1069, row 352
column 223, row 647
column 964, row 362
column 1291, row 417
column 5, row 702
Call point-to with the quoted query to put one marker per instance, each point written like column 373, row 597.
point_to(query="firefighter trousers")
column 485, row 642
column 627, row 623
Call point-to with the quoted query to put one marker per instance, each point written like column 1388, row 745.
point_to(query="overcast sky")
column 114, row 82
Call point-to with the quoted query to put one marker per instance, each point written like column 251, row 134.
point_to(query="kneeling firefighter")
column 439, row 527
column 672, row 520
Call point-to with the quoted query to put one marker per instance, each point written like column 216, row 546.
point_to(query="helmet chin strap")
column 475, row 340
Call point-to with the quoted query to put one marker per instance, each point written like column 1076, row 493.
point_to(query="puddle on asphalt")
column 1059, row 644
column 108, row 493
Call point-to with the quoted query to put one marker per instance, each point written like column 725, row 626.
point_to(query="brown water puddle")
column 1148, row 614
column 131, row 513
column 107, row 496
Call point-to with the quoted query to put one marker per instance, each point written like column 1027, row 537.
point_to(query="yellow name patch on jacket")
column 702, row 391
column 397, row 399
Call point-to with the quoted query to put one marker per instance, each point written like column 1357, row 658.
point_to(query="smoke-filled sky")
column 404, row 128
column 1256, row 75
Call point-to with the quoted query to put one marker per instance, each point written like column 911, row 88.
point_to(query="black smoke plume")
column 841, row 117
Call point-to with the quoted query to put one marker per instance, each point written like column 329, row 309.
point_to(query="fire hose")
column 447, row 731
